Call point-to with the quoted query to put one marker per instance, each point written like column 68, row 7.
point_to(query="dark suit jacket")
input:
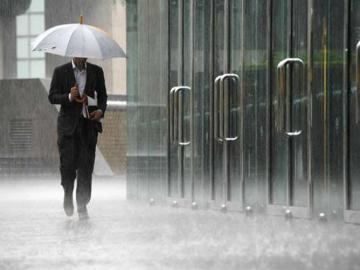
column 62, row 81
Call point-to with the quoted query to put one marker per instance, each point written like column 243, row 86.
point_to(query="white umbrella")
column 78, row 40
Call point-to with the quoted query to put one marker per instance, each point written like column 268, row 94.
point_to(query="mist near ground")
column 121, row 234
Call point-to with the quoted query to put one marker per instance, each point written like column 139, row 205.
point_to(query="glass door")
column 227, row 181
column 188, row 104
column 289, row 187
column 352, row 103
column 180, row 100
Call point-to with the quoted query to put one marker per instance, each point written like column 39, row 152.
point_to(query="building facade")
column 245, row 104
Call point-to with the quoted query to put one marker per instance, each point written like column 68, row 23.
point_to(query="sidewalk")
column 36, row 234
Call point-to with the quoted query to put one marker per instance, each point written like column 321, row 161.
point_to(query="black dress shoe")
column 68, row 203
column 83, row 213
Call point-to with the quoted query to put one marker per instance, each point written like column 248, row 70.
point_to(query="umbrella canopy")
column 78, row 40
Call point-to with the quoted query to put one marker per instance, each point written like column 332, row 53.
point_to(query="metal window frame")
column 29, row 36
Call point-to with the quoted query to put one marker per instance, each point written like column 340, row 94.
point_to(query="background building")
column 20, row 70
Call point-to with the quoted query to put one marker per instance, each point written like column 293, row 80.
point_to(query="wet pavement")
column 36, row 234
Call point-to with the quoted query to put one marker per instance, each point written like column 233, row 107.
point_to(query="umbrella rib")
column 47, row 36
column 100, row 35
column 95, row 41
column 72, row 34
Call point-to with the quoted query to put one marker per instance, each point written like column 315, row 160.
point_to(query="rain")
column 168, row 192
column 35, row 234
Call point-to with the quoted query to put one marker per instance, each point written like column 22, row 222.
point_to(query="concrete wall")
column 119, row 34
column 9, row 48
column 113, row 141
column 28, row 124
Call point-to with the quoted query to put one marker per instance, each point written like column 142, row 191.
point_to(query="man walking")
column 78, row 127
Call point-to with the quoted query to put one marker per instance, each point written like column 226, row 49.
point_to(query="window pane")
column 22, row 47
column 37, row 69
column 36, row 24
column 22, row 25
column 36, row 54
column 23, row 69
column 37, row 6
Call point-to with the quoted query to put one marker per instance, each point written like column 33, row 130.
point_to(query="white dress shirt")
column 80, row 78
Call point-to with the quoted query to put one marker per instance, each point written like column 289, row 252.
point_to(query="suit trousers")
column 77, row 157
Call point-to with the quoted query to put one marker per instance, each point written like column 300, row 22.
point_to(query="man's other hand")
column 96, row 115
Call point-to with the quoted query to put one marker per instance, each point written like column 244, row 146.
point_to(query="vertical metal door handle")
column 172, row 115
column 284, row 120
column 226, row 106
column 217, row 93
column 180, row 123
column 357, row 96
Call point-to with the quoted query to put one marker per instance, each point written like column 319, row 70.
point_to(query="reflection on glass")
column 279, row 145
column 354, row 132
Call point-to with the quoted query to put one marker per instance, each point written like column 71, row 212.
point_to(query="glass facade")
column 241, row 103
column 28, row 26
